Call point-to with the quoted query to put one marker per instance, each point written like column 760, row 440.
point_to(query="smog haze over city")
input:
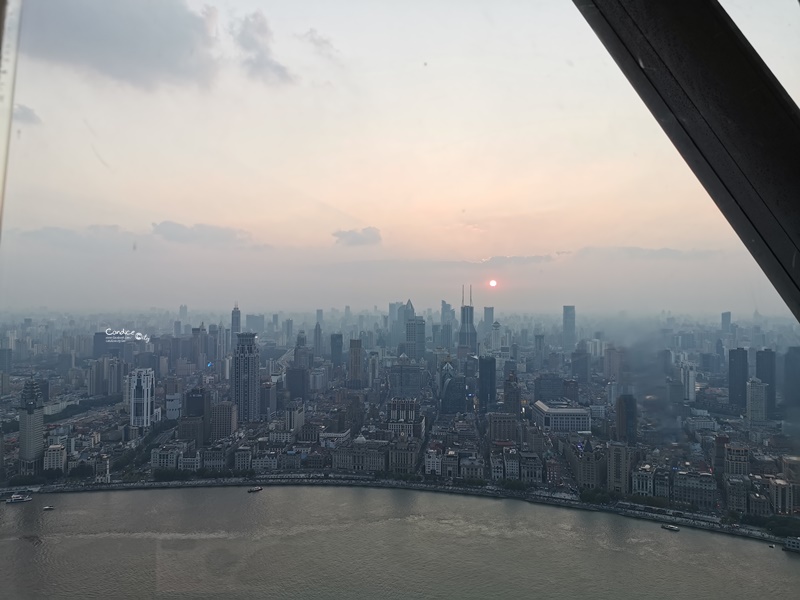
column 274, row 272
column 276, row 153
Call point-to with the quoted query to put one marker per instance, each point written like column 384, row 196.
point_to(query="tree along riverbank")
column 537, row 497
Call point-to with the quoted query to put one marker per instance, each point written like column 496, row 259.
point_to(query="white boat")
column 18, row 498
column 253, row 490
column 49, row 508
column 670, row 527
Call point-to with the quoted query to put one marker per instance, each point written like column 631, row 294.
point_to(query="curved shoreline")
column 530, row 497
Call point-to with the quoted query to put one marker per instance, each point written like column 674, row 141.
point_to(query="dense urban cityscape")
column 695, row 419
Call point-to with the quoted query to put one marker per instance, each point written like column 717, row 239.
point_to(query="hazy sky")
column 304, row 154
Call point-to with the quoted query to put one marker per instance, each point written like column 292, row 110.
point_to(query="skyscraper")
column 766, row 372
column 488, row 319
column 337, row 345
column 141, row 395
column 569, row 328
column 318, row 339
column 791, row 381
column 319, row 316
column 224, row 420
column 467, row 336
column 737, row 378
column 726, row 322
column 415, row 338
column 246, row 379
column 756, row 402
column 355, row 373
column 31, row 429
column 236, row 323
column 512, row 396
column 487, row 383
column 626, row 419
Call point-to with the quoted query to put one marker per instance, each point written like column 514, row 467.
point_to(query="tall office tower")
column 183, row 312
column 318, row 339
column 512, row 396
column 356, row 366
column 177, row 329
column 726, row 322
column 737, row 378
column 99, row 344
column 570, row 338
column 31, row 429
column 689, row 381
column 246, row 378
column 613, row 363
column 5, row 360
column 297, row 383
column 447, row 313
column 224, row 420
column 524, row 340
column 494, row 342
column 756, row 402
column 488, row 315
column 415, row 338
column 487, row 383
column 319, row 316
column 791, row 380
column 620, row 464
column 337, row 345
column 141, row 389
column 348, row 316
column 467, row 336
column 288, row 330
column 269, row 399
column 446, row 336
column 199, row 346
column 766, row 372
column 197, row 404
column 236, row 323
column 626, row 419
column 581, row 366
column 436, row 334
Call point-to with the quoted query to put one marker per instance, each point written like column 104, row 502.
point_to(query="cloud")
column 635, row 252
column 104, row 239
column 322, row 45
column 201, row 234
column 25, row 114
column 500, row 261
column 144, row 43
column 254, row 38
column 354, row 237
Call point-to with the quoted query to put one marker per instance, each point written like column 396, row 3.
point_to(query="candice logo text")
column 125, row 335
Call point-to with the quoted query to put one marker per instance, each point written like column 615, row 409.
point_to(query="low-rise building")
column 696, row 489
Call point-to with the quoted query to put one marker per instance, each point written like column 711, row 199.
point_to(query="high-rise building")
column 337, row 345
column 141, row 396
column 355, row 373
column 319, row 316
column 197, row 404
column 467, row 335
column 488, row 319
column 570, row 338
column 246, row 378
column 766, row 372
column 737, row 378
column 581, row 366
column 512, row 396
column 99, row 345
column 495, row 340
column 487, row 383
column 224, row 420
column 446, row 336
column 726, row 322
column 236, row 323
column 288, row 330
column 5, row 360
column 415, row 338
column 31, row 429
column 297, row 383
column 626, row 419
column 318, row 339
column 791, row 381
column 620, row 463
column 756, row 402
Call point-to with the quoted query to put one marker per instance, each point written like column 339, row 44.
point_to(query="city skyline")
column 328, row 149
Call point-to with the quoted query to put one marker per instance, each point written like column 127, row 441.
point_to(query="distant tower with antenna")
column 467, row 335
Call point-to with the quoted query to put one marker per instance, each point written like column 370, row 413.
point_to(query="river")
column 316, row 542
